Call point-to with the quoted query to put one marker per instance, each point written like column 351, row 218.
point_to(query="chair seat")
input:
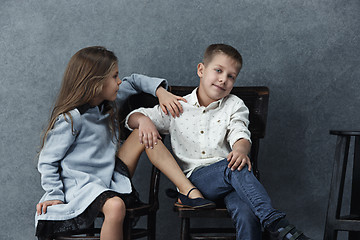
column 79, row 237
column 202, row 213
column 140, row 211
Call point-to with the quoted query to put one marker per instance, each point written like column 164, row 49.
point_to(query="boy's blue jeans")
column 245, row 198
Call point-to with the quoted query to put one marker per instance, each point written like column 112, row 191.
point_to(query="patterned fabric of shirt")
column 202, row 135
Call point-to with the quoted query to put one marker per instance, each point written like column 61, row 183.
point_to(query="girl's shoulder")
column 75, row 114
column 70, row 119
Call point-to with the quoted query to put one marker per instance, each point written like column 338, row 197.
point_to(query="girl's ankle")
column 194, row 193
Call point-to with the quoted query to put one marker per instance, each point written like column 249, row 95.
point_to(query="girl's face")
column 111, row 86
column 109, row 89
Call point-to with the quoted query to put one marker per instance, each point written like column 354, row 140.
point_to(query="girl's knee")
column 135, row 132
column 114, row 209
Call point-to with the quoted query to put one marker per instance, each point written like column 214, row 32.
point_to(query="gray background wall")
column 306, row 52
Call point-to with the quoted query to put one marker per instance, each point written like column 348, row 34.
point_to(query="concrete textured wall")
column 307, row 53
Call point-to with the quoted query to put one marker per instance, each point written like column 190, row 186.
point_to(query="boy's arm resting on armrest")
column 148, row 134
column 238, row 157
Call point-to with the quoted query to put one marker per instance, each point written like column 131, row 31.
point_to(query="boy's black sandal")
column 187, row 202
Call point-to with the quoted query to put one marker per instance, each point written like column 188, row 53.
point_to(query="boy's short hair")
column 228, row 50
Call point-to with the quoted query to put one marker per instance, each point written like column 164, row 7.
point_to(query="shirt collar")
column 195, row 101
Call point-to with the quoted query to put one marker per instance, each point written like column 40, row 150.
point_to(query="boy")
column 211, row 142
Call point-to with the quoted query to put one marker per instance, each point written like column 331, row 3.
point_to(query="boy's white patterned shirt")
column 202, row 135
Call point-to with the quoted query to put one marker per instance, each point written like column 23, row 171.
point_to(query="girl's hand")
column 148, row 134
column 238, row 160
column 41, row 207
column 169, row 101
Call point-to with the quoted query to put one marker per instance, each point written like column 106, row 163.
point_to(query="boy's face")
column 217, row 78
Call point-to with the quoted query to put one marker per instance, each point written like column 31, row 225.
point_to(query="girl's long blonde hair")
column 83, row 80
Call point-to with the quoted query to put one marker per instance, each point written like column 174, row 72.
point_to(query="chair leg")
column 336, row 187
column 330, row 233
column 127, row 229
column 91, row 234
column 185, row 225
column 151, row 226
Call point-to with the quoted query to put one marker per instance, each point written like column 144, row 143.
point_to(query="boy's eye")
column 231, row 77
column 218, row 70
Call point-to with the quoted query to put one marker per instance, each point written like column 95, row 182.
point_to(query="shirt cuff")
column 52, row 197
column 163, row 84
column 240, row 136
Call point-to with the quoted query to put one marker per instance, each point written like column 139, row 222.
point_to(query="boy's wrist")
column 241, row 151
column 242, row 146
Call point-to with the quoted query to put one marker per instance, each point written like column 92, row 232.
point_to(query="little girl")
column 79, row 171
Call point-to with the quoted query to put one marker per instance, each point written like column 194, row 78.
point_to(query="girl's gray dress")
column 78, row 166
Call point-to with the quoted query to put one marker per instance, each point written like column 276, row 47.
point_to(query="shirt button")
column 201, row 132
column 203, row 152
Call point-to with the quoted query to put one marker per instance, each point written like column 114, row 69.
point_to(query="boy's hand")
column 238, row 160
column 169, row 101
column 41, row 207
column 148, row 134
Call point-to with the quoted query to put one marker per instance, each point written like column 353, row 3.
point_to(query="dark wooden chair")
column 148, row 209
column 256, row 99
column 335, row 219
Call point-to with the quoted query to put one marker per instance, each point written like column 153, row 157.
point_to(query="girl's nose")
column 119, row 81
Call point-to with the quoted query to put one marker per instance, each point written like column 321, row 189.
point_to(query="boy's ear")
column 200, row 69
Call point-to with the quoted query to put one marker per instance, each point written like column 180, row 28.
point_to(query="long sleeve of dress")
column 58, row 142
column 137, row 83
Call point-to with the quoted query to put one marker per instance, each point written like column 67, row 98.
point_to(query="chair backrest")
column 256, row 99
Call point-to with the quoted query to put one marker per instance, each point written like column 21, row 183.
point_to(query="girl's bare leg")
column 161, row 158
column 130, row 151
column 114, row 211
